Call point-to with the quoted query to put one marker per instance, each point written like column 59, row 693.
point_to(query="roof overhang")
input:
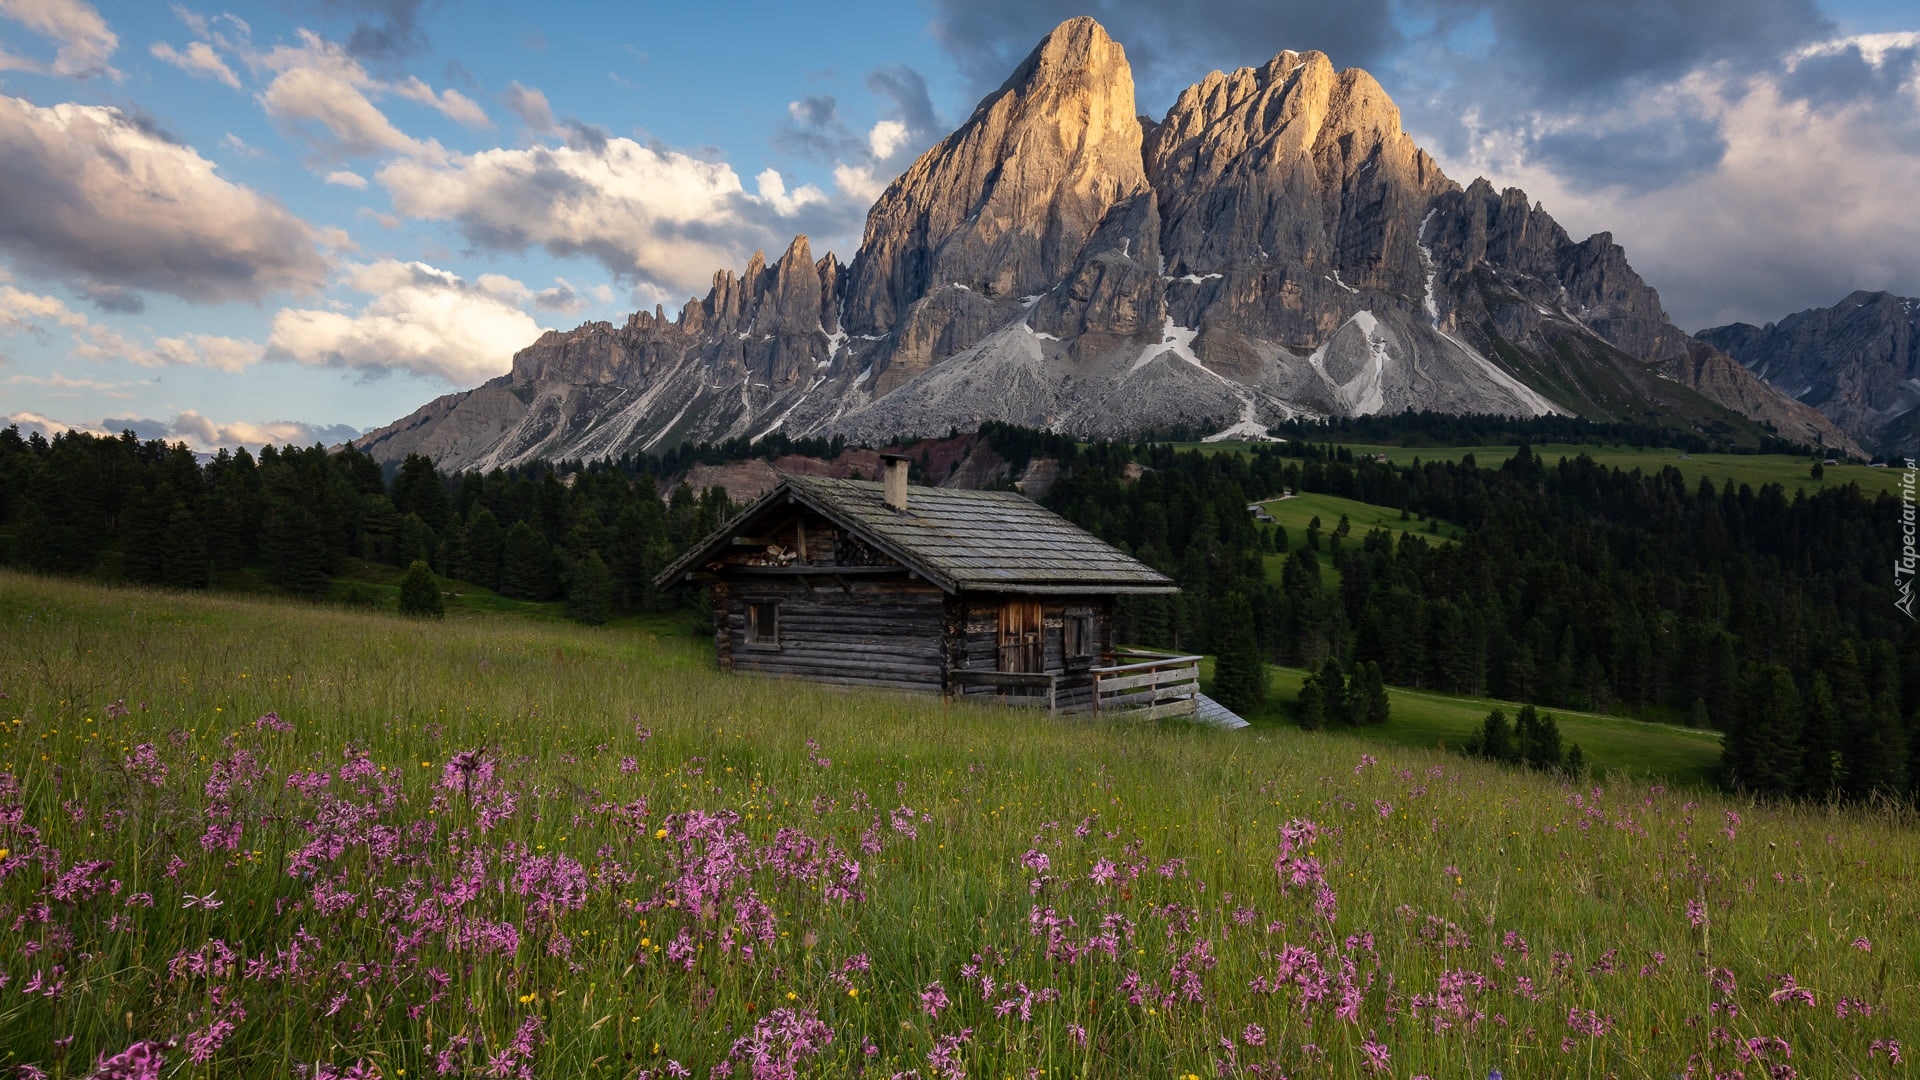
column 788, row 494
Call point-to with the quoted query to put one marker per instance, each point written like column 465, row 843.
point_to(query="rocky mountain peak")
column 1275, row 245
column 1001, row 208
column 1858, row 362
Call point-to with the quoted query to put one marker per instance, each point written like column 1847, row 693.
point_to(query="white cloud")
column 347, row 178
column 31, row 423
column 198, row 432
column 421, row 319
column 43, row 316
column 84, row 41
column 31, row 311
column 199, row 60
column 93, row 196
column 640, row 211
column 322, row 95
column 451, row 103
column 1873, row 48
column 773, row 190
column 886, row 137
column 858, row 181
column 205, row 435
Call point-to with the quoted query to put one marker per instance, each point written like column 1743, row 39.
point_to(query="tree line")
column 293, row 518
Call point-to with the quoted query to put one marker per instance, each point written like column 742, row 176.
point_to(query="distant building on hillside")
column 966, row 593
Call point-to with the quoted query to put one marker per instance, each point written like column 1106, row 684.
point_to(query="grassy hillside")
column 1430, row 721
column 260, row 839
column 1298, row 511
column 1789, row 471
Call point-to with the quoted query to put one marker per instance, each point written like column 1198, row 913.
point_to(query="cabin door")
column 1022, row 636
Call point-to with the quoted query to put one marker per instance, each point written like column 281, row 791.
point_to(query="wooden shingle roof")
column 961, row 540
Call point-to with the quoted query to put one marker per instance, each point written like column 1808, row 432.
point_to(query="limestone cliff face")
column 1858, row 362
column 1274, row 246
column 1002, row 208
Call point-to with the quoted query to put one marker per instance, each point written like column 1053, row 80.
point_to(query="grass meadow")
column 1790, row 471
column 1638, row 749
column 242, row 838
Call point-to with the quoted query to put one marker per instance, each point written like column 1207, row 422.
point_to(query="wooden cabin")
column 946, row 590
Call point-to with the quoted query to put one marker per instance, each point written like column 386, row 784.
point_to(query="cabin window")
column 1022, row 636
column 763, row 624
column 1077, row 637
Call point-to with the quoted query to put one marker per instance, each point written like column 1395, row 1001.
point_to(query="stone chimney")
column 894, row 495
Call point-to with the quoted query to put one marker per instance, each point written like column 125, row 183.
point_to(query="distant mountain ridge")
column 1858, row 362
column 1276, row 246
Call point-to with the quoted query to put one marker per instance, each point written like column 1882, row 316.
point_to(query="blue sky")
column 295, row 220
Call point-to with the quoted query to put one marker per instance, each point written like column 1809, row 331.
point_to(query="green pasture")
column 257, row 838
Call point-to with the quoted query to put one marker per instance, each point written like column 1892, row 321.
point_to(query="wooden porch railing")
column 1147, row 687
column 1159, row 684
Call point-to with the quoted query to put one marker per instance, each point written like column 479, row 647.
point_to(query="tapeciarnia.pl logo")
column 1903, row 568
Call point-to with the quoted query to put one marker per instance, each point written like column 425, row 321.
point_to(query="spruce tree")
column 416, row 540
column 143, row 538
column 1697, row 717
column 590, row 590
column 1333, row 684
column 185, row 563
column 418, row 489
column 1879, row 767
column 526, row 564
column 1379, row 708
column 1312, row 704
column 1537, row 738
column 1771, row 748
column 1239, row 673
column 293, row 550
column 1819, row 747
column 486, row 543
column 1494, row 740
column 420, row 592
column 1577, row 762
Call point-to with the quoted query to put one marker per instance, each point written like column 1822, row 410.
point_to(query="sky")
column 298, row 220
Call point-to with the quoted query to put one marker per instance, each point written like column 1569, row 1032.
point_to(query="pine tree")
column 293, row 550
column 1819, row 750
column 1771, row 746
column 1494, row 740
column 1880, row 765
column 416, row 540
column 486, row 543
column 1379, row 708
column 185, row 563
column 1577, row 762
column 1537, row 738
column 1239, row 673
column 590, row 590
column 143, row 532
column 379, row 523
column 1697, row 717
column 526, row 564
column 418, row 489
column 420, row 592
column 1312, row 705
column 1333, row 687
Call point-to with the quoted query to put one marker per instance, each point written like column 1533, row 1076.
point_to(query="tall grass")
column 541, row 850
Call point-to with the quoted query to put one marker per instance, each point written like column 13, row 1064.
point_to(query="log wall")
column 867, row 631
